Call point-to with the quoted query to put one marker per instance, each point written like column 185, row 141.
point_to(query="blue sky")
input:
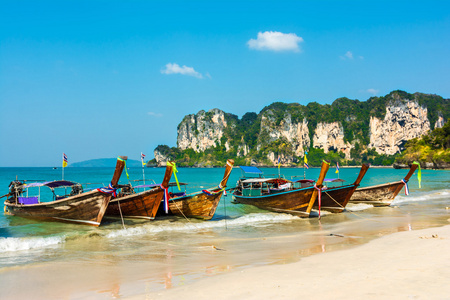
column 99, row 79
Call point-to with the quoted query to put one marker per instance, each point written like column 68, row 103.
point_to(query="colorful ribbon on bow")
column 108, row 190
column 419, row 173
column 406, row 187
column 166, row 198
column 175, row 171
column 125, row 163
column 209, row 193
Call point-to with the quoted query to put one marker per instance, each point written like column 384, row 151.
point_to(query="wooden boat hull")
column 378, row 195
column 335, row 199
column 294, row 201
column 141, row 205
column 199, row 205
column 84, row 208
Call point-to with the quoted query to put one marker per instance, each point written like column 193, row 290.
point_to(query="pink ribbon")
column 319, row 192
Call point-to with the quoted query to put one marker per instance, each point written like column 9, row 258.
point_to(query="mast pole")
column 143, row 175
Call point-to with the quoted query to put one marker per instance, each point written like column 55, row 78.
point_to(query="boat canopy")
column 305, row 180
column 175, row 184
column 59, row 183
column 333, row 180
column 268, row 180
column 251, row 170
column 51, row 184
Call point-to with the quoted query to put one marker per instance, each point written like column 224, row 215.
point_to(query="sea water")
column 137, row 256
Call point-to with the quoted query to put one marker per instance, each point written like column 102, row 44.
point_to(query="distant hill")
column 104, row 162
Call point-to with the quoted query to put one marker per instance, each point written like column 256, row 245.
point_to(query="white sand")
column 405, row 265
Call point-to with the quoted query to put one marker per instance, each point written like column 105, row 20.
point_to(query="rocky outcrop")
column 202, row 130
column 295, row 133
column 242, row 150
column 440, row 122
column 161, row 154
column 330, row 136
column 284, row 129
column 403, row 121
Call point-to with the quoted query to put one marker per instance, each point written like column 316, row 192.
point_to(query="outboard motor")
column 126, row 190
column 15, row 189
column 76, row 189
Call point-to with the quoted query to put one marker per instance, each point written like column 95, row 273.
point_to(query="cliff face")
column 296, row 134
column 201, row 131
column 285, row 130
column 330, row 136
column 440, row 122
column 161, row 158
column 403, row 121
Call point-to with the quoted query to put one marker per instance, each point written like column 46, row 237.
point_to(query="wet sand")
column 405, row 265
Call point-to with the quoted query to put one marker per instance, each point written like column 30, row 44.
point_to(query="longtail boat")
column 279, row 194
column 335, row 199
column 382, row 194
column 203, row 204
column 139, row 205
column 77, row 207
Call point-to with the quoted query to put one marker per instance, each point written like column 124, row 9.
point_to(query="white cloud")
column 373, row 91
column 276, row 41
column 349, row 55
column 184, row 70
column 153, row 114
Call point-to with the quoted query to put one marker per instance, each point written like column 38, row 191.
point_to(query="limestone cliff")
column 440, row 122
column 352, row 127
column 404, row 120
column 330, row 136
column 202, row 130
column 162, row 155
column 295, row 133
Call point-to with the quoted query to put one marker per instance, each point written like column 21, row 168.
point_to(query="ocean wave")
column 357, row 206
column 422, row 196
column 20, row 244
column 255, row 219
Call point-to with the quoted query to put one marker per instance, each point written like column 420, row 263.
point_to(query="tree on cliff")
column 432, row 148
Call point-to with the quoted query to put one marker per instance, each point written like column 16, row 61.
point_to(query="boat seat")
column 28, row 200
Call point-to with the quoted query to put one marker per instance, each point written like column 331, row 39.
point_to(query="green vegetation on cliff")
column 251, row 136
column 431, row 148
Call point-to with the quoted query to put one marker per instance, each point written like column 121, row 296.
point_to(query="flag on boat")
column 337, row 167
column 64, row 160
column 305, row 160
column 142, row 159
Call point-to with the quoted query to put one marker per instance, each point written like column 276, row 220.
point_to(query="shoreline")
column 408, row 264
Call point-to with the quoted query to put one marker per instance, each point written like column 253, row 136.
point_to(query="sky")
column 98, row 79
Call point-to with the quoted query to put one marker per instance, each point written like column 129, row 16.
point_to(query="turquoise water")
column 178, row 250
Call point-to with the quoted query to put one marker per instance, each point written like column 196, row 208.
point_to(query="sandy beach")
column 406, row 265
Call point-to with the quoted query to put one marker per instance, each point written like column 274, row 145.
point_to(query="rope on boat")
column 225, row 208
column 350, row 210
column 179, row 209
column 123, row 223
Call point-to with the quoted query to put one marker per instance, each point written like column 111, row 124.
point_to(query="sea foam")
column 20, row 244
column 422, row 196
column 255, row 219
